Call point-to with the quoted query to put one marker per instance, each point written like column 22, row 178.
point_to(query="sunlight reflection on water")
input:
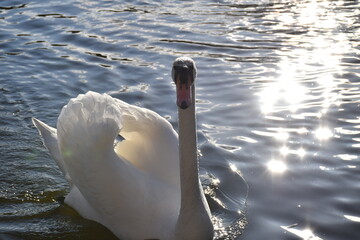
column 307, row 86
column 276, row 166
column 305, row 234
column 298, row 83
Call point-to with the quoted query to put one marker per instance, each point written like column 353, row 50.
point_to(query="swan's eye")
column 174, row 70
column 192, row 73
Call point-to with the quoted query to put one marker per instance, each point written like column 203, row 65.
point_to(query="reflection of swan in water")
column 148, row 188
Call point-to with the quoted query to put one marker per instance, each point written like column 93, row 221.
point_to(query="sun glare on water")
column 276, row 166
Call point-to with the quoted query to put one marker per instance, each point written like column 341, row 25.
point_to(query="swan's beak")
column 183, row 92
column 184, row 84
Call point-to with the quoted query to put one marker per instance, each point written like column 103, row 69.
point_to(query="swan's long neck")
column 189, row 166
column 194, row 219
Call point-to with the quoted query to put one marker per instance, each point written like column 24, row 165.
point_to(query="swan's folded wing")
column 151, row 143
column 76, row 200
column 50, row 141
column 113, row 187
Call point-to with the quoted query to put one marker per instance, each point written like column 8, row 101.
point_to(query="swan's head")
column 184, row 74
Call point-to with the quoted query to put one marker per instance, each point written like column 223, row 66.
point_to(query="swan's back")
column 134, row 190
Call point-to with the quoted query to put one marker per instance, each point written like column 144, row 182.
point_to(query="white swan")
column 147, row 186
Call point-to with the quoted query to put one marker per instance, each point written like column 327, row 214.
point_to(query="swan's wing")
column 124, row 198
column 49, row 139
column 76, row 200
column 151, row 143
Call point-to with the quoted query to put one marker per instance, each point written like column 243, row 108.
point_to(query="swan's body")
column 147, row 187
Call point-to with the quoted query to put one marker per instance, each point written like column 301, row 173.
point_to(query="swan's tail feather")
column 50, row 141
column 88, row 123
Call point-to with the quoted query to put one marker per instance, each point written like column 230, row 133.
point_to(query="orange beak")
column 183, row 89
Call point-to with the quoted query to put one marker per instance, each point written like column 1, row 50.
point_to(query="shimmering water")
column 278, row 100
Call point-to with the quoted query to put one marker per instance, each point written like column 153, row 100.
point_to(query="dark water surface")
column 278, row 95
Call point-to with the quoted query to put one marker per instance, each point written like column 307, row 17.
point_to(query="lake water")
column 278, row 95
